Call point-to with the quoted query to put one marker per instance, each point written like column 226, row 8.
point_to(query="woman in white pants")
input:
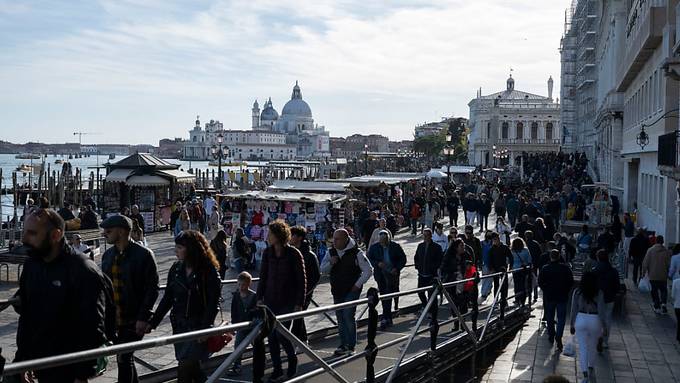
column 587, row 322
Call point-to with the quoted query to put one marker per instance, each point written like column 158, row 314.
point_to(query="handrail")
column 79, row 356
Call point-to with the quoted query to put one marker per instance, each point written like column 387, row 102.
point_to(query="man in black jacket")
column 523, row 226
column 608, row 278
column 132, row 269
column 452, row 204
column 637, row 251
column 427, row 260
column 298, row 240
column 475, row 244
column 500, row 257
column 483, row 212
column 63, row 297
column 387, row 258
column 556, row 281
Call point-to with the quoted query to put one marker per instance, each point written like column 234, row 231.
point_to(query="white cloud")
column 405, row 61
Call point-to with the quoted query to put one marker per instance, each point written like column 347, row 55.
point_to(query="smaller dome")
column 269, row 113
column 511, row 83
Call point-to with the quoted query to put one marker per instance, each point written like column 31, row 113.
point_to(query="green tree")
column 431, row 146
column 458, row 132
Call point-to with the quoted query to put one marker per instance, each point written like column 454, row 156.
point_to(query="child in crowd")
column 242, row 304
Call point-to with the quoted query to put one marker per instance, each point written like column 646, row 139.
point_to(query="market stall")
column 319, row 213
column 147, row 181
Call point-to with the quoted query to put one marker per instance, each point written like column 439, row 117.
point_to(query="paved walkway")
column 642, row 348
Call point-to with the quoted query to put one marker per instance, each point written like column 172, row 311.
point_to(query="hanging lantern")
column 642, row 138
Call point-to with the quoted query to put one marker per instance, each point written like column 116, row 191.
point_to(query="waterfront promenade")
column 642, row 345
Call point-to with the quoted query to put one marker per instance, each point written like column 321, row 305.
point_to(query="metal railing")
column 269, row 322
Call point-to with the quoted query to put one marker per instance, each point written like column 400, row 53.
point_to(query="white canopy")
column 147, row 180
column 434, row 173
column 118, row 175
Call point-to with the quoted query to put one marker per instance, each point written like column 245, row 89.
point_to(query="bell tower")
column 256, row 115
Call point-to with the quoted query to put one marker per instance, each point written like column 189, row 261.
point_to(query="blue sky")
column 135, row 71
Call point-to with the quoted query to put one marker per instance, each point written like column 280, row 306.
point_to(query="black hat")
column 117, row 221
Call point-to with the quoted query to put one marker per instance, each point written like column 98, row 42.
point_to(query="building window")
column 520, row 131
column 549, row 131
column 504, row 130
column 534, row 130
column 488, row 130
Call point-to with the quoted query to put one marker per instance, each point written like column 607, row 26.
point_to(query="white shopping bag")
column 569, row 347
column 644, row 286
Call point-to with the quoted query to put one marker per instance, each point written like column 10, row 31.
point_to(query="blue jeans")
column 240, row 336
column 238, row 265
column 347, row 324
column 550, row 308
column 487, row 283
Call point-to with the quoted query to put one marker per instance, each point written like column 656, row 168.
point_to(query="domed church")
column 296, row 122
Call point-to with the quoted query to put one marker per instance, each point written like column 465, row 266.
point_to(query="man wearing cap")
column 387, row 258
column 132, row 269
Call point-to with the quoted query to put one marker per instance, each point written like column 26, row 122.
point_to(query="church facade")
column 296, row 123
column 288, row 136
column 505, row 124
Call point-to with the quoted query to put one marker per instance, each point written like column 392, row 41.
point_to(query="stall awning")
column 178, row 175
column 118, row 175
column 285, row 196
column 147, row 180
column 309, row 186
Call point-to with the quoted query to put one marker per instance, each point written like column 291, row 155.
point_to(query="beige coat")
column 656, row 263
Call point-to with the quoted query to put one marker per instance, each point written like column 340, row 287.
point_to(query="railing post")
column 426, row 311
column 371, row 346
column 434, row 310
column 330, row 318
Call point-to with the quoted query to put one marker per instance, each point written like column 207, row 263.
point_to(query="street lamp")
column 366, row 159
column 219, row 152
column 499, row 154
column 449, row 152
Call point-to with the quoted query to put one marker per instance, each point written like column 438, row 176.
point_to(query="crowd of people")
column 90, row 306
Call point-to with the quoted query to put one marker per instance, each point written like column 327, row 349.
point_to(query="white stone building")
column 243, row 144
column 624, row 57
column 515, row 121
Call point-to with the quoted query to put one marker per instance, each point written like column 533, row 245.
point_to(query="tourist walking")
column 555, row 279
column 637, row 250
column 655, row 266
column 470, row 206
column 240, row 250
column 282, row 289
column 608, row 279
column 584, row 242
column 439, row 237
column 487, row 283
column 521, row 260
column 452, row 205
column 674, row 275
column 474, row 243
column 500, row 257
column 46, row 328
column 135, row 215
column 192, row 296
column 298, row 240
column 219, row 246
column 428, row 259
column 387, row 258
column 183, row 222
column 349, row 270
column 132, row 270
column 503, row 229
column 243, row 302
column 587, row 321
column 483, row 212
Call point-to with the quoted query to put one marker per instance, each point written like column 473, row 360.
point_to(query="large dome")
column 297, row 107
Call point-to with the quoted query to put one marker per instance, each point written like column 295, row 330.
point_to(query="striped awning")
column 147, row 180
column 118, row 175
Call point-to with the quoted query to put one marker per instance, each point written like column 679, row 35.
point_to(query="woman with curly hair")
column 192, row 297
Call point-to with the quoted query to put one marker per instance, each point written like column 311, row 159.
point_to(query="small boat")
column 23, row 168
column 112, row 156
column 27, row 156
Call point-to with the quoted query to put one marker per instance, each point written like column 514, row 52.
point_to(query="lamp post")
column 366, row 159
column 499, row 154
column 448, row 152
column 219, row 152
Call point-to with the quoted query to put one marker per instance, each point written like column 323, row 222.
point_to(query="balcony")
column 521, row 141
column 644, row 34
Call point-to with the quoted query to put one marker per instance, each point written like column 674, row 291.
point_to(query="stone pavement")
column 162, row 357
column 642, row 348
